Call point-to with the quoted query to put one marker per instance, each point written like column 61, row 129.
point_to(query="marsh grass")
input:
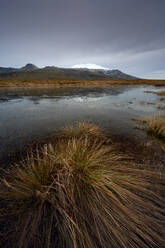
column 149, row 91
column 158, row 93
column 143, row 121
column 10, row 82
column 160, row 107
column 82, row 193
column 149, row 103
column 156, row 127
column 83, row 130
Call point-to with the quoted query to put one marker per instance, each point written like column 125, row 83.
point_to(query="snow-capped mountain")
column 77, row 72
column 89, row 66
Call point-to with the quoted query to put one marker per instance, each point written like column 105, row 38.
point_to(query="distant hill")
column 32, row 72
column 8, row 70
column 28, row 67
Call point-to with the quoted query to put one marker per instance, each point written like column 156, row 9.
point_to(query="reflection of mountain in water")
column 38, row 94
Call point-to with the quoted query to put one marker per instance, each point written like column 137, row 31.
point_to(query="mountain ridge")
column 32, row 72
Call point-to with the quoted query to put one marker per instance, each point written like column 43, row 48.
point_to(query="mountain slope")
column 31, row 72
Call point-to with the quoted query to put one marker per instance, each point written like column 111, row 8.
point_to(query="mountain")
column 7, row 69
column 78, row 72
column 29, row 67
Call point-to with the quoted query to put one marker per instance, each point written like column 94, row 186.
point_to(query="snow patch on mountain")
column 89, row 66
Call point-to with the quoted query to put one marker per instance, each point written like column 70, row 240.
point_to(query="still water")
column 27, row 114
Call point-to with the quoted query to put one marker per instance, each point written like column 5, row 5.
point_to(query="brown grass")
column 81, row 193
column 159, row 93
column 162, row 99
column 143, row 121
column 149, row 91
column 149, row 103
column 156, row 127
column 4, row 82
column 83, row 130
column 161, row 107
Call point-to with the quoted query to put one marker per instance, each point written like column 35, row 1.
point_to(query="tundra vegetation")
column 63, row 82
column 82, row 191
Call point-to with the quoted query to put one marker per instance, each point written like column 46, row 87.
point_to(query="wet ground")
column 28, row 114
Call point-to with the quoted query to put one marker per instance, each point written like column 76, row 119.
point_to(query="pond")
column 28, row 114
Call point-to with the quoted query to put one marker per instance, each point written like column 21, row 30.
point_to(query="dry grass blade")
column 82, row 193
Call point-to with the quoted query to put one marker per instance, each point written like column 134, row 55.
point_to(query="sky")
column 128, row 35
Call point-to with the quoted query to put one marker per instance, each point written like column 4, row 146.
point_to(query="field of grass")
column 82, row 192
column 4, row 82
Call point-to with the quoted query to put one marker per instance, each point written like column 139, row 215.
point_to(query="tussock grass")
column 156, row 127
column 82, row 130
column 159, row 93
column 162, row 99
column 161, row 107
column 143, row 121
column 149, row 91
column 149, row 103
column 83, row 194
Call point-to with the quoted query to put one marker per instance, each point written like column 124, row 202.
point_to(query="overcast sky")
column 125, row 34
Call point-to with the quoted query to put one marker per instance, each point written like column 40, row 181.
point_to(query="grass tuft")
column 149, row 103
column 162, row 99
column 82, row 130
column 82, row 193
column 158, row 93
column 160, row 107
column 142, row 121
column 156, row 127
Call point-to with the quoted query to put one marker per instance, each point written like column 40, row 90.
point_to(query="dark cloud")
column 128, row 34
